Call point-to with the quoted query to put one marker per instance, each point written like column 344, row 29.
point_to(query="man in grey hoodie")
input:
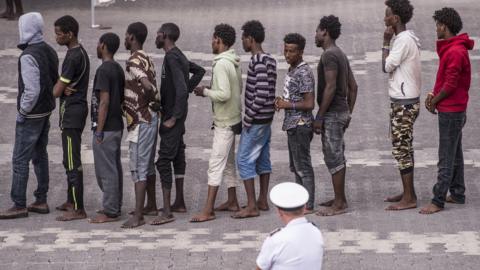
column 37, row 74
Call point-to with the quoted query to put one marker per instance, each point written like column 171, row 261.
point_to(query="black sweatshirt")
column 176, row 83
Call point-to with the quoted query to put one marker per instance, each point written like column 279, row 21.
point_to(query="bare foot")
column 402, row 205
column 333, row 210
column 7, row 15
column 263, row 205
column 395, row 198
column 202, row 217
column 430, row 209
column 133, row 222
column 228, row 206
column 451, row 200
column 147, row 211
column 102, row 218
column 178, row 207
column 174, row 210
column 246, row 213
column 163, row 219
column 66, row 206
column 327, row 203
column 72, row 215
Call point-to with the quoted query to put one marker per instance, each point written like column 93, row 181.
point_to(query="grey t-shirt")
column 298, row 81
column 334, row 59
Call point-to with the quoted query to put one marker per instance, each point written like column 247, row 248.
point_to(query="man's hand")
column 20, row 118
column 69, row 91
column 275, row 103
column 388, row 35
column 199, row 91
column 280, row 103
column 156, row 106
column 318, row 126
column 99, row 136
column 428, row 103
column 170, row 122
column 349, row 119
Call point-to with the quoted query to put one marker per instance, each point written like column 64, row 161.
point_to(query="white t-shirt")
column 404, row 65
column 299, row 245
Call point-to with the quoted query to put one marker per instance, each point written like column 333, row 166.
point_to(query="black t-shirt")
column 109, row 77
column 334, row 59
column 75, row 73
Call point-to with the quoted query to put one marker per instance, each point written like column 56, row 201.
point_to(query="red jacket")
column 454, row 73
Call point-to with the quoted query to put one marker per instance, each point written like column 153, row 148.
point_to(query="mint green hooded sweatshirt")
column 226, row 89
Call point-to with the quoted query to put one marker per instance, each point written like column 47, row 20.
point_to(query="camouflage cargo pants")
column 402, row 118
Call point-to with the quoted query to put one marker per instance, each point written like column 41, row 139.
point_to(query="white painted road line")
column 194, row 240
column 369, row 157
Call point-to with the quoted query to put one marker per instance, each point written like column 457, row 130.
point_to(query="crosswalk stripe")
column 193, row 240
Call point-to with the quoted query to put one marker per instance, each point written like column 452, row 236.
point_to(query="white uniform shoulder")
column 275, row 231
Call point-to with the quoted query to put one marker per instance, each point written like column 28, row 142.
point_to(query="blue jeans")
column 31, row 139
column 299, row 139
column 450, row 159
column 253, row 156
column 333, row 144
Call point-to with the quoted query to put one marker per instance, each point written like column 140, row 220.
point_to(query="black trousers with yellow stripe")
column 71, row 144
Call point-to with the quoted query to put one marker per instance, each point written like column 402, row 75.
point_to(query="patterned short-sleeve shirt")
column 298, row 81
column 137, row 98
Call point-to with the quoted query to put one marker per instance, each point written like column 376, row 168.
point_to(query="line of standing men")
column 298, row 245
column 449, row 99
column 140, row 102
column 337, row 92
column 115, row 93
column 145, row 111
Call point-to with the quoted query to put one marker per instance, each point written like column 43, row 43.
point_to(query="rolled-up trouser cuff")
column 166, row 185
column 336, row 169
column 406, row 170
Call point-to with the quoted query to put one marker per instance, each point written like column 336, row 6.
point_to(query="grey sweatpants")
column 108, row 169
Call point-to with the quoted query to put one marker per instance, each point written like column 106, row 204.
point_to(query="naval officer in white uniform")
column 298, row 245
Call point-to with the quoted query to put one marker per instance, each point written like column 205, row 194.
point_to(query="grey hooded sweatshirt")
column 36, row 64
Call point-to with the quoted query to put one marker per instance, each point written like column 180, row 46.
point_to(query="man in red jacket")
column 450, row 98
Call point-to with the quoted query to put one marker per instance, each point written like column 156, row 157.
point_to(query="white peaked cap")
column 288, row 195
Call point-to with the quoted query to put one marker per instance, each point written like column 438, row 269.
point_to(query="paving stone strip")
column 194, row 240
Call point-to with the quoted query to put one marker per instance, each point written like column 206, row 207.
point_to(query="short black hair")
column 171, row 31
column 226, row 33
column 255, row 30
column 67, row 24
column 332, row 25
column 293, row 211
column 112, row 41
column 139, row 31
column 401, row 8
column 450, row 18
column 295, row 38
